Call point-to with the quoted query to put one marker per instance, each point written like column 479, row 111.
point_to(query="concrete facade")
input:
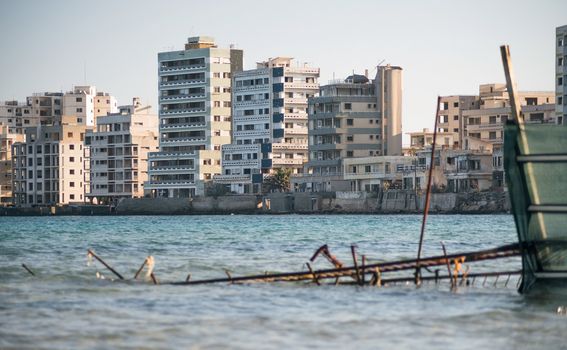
column 194, row 114
column 6, row 140
column 86, row 103
column 483, row 127
column 269, row 123
column 48, row 167
column 118, row 153
column 451, row 116
column 561, row 73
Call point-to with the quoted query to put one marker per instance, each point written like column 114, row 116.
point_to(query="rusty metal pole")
column 105, row 264
column 427, row 195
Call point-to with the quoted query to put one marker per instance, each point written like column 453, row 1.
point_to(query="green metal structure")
column 535, row 160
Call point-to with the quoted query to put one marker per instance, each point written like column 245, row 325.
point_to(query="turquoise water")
column 67, row 306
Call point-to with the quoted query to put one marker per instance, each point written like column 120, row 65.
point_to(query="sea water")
column 66, row 306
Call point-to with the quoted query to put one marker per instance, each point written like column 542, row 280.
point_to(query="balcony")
column 172, row 155
column 179, row 69
column 296, row 131
column 183, row 97
column 370, row 175
column 182, row 126
column 295, row 101
column 289, row 146
column 182, row 111
column 285, row 161
column 172, row 169
column 185, row 139
column 182, row 82
column 241, row 162
column 230, row 179
column 302, row 86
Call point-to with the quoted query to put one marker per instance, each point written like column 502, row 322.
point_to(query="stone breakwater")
column 387, row 202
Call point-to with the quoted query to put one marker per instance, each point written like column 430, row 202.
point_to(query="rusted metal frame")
column 447, row 261
column 497, row 253
column 427, row 194
column 315, row 279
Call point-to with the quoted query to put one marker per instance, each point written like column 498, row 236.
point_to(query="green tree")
column 279, row 181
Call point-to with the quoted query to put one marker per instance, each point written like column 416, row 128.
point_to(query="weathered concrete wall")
column 153, row 206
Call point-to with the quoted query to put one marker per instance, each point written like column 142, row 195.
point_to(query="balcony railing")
column 182, row 97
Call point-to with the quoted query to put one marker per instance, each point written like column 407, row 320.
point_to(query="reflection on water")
column 65, row 306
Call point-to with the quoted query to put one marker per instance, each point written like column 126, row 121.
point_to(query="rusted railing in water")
column 355, row 273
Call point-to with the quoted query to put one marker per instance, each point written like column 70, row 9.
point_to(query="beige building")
column 483, row 127
column 424, row 138
column 451, row 115
column 454, row 171
column 88, row 104
column 48, row 167
column 371, row 174
column 6, row 140
column 118, row 153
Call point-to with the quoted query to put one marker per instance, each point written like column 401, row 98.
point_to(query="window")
column 216, row 103
column 349, row 153
column 367, row 169
column 371, row 137
column 560, row 81
column 456, row 130
column 456, row 104
column 455, row 117
column 71, row 184
column 560, row 61
column 79, row 99
column 226, row 104
column 71, row 196
column 216, row 75
column 217, row 89
column 71, row 159
column 350, row 138
column 69, row 134
column 71, row 147
column 492, row 119
column 371, row 121
column 559, row 100
column 492, row 135
column 79, row 110
column 560, row 42
column 348, row 106
column 226, row 75
column 350, row 122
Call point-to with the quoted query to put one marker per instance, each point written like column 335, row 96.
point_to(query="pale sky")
column 444, row 47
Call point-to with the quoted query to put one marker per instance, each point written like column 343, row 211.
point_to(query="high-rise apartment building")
column 194, row 116
column 48, row 167
column 355, row 118
column 269, row 123
column 118, row 153
column 561, row 73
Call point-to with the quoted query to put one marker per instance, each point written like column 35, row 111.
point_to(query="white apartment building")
column 561, row 73
column 87, row 104
column 118, row 153
column 48, row 167
column 269, row 123
column 194, row 117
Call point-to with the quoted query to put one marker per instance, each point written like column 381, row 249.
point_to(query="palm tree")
column 279, row 181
